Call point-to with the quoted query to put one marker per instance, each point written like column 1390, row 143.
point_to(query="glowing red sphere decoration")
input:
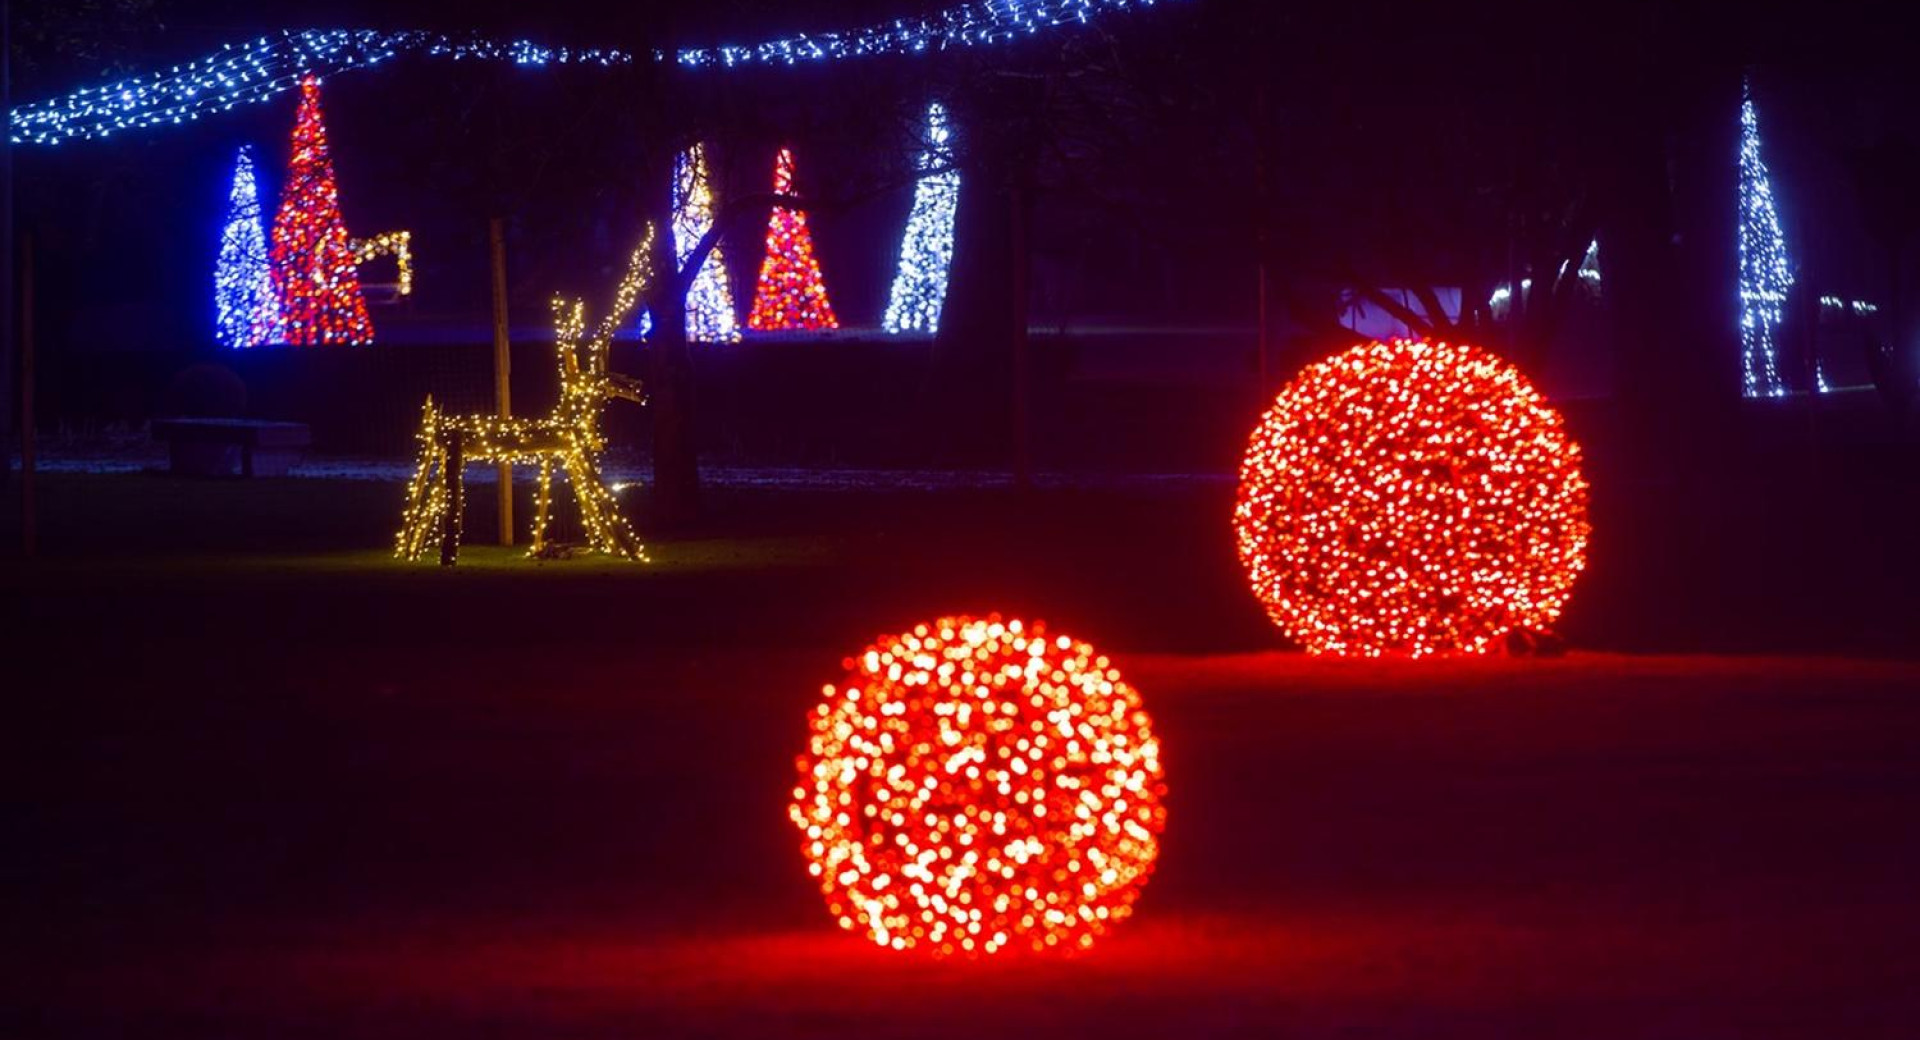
column 1411, row 498
column 976, row 786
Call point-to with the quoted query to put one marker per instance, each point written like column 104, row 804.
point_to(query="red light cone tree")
column 315, row 273
column 791, row 295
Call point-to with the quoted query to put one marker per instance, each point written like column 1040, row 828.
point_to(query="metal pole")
column 1022, row 427
column 502, row 369
column 1807, row 301
column 1261, row 344
column 1261, row 216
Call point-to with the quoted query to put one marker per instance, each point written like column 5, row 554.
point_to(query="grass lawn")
column 276, row 784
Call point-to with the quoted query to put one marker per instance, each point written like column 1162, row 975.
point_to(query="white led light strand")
column 246, row 309
column 1860, row 308
column 926, row 251
column 249, row 73
column 982, row 23
column 709, row 303
column 1765, row 276
column 1501, row 302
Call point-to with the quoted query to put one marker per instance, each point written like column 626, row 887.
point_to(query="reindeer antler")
column 569, row 325
column 633, row 283
column 570, row 316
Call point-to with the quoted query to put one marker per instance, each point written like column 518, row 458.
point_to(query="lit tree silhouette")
column 1765, row 276
column 791, row 294
column 926, row 251
column 710, row 317
column 315, row 272
column 246, row 310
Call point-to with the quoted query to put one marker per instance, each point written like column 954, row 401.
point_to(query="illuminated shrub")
column 977, row 785
column 1411, row 498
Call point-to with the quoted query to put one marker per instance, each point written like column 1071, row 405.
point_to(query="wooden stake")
column 502, row 369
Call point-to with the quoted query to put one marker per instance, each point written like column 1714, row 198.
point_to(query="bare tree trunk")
column 968, row 405
column 1639, row 292
column 1704, row 369
column 1668, row 237
column 676, row 464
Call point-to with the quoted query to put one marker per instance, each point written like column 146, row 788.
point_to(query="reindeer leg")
column 425, row 495
column 431, row 527
column 542, row 503
column 601, row 513
column 450, row 532
column 423, row 513
column 406, row 543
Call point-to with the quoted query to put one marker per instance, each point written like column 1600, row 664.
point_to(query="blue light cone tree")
column 246, row 309
column 1766, row 277
column 926, row 251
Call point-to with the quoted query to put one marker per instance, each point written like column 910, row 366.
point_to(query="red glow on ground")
column 1589, row 846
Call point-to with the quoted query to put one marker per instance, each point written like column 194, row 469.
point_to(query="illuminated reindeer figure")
column 570, row 437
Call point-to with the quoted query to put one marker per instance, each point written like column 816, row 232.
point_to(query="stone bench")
column 217, row 447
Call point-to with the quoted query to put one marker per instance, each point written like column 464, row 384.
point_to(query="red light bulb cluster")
column 975, row 786
column 1411, row 498
column 315, row 270
column 791, row 295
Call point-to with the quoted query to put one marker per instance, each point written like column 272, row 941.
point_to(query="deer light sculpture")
column 570, row 437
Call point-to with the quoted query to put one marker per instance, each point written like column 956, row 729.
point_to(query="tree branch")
column 761, row 203
column 1436, row 312
column 1401, row 312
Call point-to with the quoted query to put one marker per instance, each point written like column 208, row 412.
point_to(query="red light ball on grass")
column 976, row 786
column 1411, row 498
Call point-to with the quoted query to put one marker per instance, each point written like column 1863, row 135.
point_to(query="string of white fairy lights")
column 256, row 71
column 982, row 23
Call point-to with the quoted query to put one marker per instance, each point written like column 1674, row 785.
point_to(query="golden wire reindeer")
column 570, row 436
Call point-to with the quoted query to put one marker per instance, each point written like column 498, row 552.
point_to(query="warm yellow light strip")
column 396, row 244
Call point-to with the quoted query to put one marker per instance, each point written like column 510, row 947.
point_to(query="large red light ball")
column 976, row 786
column 1411, row 498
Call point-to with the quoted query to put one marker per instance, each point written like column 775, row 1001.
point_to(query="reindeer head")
column 585, row 383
